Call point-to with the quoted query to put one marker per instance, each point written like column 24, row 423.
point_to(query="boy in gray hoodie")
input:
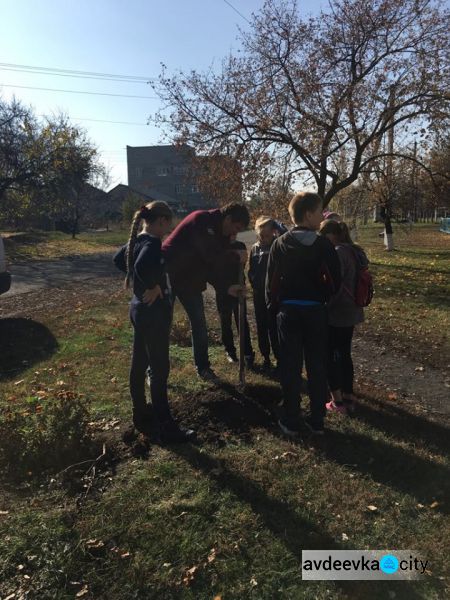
column 303, row 272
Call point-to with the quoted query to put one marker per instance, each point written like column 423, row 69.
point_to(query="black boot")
column 143, row 418
column 171, row 433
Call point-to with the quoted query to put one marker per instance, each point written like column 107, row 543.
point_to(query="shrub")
column 45, row 436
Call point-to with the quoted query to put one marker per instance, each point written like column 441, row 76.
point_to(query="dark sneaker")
column 288, row 430
column 267, row 365
column 276, row 372
column 314, row 428
column 173, row 434
column 208, row 375
column 143, row 418
column 130, row 435
column 350, row 407
column 232, row 357
column 249, row 361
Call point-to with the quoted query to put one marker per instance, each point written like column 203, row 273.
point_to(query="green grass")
column 410, row 310
column 229, row 517
column 46, row 245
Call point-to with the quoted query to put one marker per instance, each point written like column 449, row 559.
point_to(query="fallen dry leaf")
column 434, row 504
column 372, row 508
column 212, row 555
column 189, row 575
column 94, row 544
column 84, row 590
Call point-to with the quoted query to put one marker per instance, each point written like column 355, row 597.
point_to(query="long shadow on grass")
column 293, row 530
column 390, row 465
column 23, row 342
column 401, row 424
column 228, row 410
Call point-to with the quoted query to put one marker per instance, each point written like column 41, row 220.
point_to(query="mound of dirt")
column 223, row 414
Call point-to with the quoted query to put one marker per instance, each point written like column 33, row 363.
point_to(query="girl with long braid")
column 151, row 315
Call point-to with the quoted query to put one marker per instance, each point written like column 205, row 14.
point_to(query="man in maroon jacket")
column 195, row 253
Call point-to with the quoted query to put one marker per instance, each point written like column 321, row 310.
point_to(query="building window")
column 194, row 189
column 162, row 171
column 181, row 171
column 179, row 188
column 138, row 172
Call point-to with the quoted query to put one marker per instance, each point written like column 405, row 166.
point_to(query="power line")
column 236, row 10
column 74, row 73
column 28, row 87
column 103, row 121
column 73, row 76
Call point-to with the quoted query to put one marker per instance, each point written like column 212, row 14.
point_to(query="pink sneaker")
column 331, row 406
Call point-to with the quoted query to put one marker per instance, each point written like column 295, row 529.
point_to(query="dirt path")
column 38, row 275
column 400, row 376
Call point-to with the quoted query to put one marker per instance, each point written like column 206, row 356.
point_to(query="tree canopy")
column 45, row 164
column 316, row 94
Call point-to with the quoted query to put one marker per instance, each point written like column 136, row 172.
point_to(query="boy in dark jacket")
column 228, row 306
column 302, row 272
column 266, row 326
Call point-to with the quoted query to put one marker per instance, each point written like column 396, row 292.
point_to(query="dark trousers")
column 340, row 366
column 229, row 307
column 192, row 303
column 150, row 351
column 266, row 327
column 303, row 331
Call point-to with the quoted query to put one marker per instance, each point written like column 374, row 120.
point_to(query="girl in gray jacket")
column 343, row 315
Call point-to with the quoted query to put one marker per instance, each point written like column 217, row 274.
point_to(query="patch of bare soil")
column 224, row 414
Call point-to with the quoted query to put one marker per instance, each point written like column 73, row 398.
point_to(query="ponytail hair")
column 340, row 230
column 148, row 213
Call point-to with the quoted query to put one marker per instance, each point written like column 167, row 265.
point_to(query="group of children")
column 303, row 283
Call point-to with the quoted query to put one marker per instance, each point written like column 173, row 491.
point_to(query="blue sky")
column 126, row 37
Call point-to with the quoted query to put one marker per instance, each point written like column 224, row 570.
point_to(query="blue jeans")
column 150, row 351
column 192, row 303
column 303, row 331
